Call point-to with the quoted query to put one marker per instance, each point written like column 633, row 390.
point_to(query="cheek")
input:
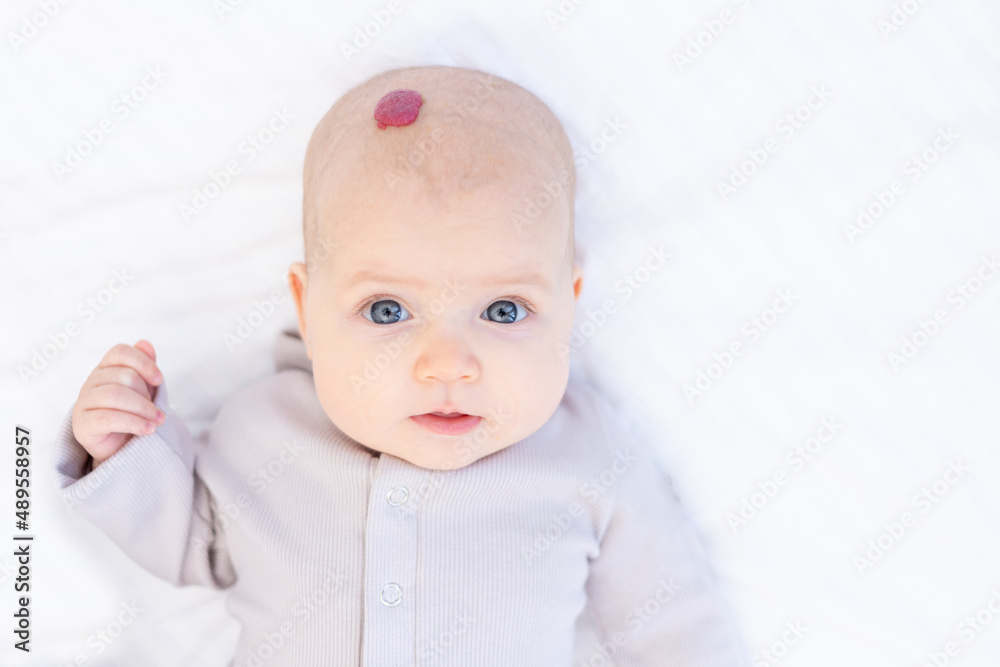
column 550, row 347
column 328, row 377
column 531, row 367
column 335, row 358
column 354, row 368
column 546, row 371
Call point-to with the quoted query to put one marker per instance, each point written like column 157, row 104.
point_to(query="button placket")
column 391, row 562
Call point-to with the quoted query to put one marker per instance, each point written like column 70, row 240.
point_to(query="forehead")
column 525, row 276
column 471, row 234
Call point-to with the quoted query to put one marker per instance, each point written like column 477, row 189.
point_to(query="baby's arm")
column 653, row 596
column 143, row 489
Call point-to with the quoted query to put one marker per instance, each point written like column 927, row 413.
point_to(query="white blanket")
column 788, row 217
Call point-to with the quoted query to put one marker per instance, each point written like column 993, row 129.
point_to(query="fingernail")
column 158, row 377
column 160, row 415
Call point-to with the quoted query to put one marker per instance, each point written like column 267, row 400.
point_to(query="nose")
column 446, row 357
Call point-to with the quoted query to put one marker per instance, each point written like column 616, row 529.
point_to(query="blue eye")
column 385, row 311
column 506, row 312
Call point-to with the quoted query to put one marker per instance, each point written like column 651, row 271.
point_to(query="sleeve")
column 149, row 499
column 652, row 594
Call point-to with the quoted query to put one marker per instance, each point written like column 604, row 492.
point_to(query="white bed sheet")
column 673, row 129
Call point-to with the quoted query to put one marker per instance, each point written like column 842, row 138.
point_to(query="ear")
column 577, row 281
column 298, row 279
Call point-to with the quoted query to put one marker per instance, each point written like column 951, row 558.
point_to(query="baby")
column 422, row 481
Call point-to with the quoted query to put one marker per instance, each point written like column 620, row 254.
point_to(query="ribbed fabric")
column 316, row 536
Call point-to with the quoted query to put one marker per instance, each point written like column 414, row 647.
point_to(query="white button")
column 397, row 496
column 392, row 594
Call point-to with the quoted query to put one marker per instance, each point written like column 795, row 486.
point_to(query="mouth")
column 447, row 423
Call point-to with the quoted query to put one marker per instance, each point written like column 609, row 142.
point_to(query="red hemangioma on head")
column 398, row 108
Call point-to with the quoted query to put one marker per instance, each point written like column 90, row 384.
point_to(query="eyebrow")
column 532, row 279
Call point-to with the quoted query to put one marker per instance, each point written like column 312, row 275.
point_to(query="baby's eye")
column 505, row 312
column 385, row 311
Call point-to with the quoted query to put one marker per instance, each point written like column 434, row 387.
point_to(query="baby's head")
column 441, row 274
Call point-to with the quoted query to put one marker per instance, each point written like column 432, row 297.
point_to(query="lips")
column 447, row 423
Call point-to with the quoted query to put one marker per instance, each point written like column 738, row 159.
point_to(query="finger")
column 146, row 348
column 122, row 375
column 126, row 355
column 106, row 420
column 119, row 397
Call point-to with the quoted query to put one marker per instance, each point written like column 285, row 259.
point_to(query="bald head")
column 473, row 131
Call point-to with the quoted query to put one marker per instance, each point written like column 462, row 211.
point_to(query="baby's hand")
column 116, row 401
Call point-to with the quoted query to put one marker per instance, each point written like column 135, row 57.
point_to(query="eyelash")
column 378, row 297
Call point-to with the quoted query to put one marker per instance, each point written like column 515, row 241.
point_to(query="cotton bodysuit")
column 361, row 558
